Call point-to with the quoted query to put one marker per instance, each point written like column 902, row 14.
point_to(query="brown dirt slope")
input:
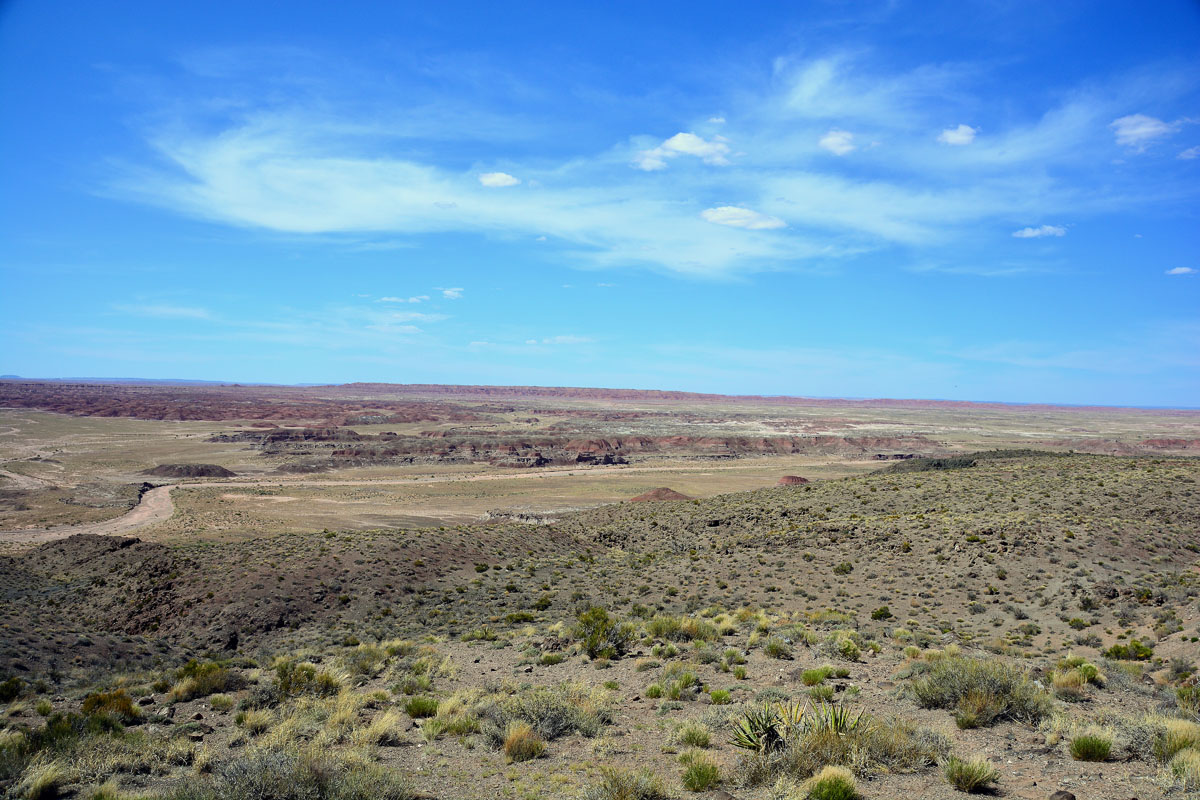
column 659, row 494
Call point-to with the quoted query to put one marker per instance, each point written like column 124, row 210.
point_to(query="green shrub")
column 831, row 783
column 777, row 648
column 981, row 692
column 1188, row 699
column 813, row 677
column 701, row 772
column 975, row 775
column 1134, row 651
column 200, row 679
column 1090, row 747
column 296, row 680
column 521, row 742
column 602, row 635
column 693, row 734
column 720, row 697
column 421, row 707
column 10, row 689
column 558, row 711
column 117, row 702
column 883, row 612
column 550, row 659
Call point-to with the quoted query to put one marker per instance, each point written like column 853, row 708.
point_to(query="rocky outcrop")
column 792, row 480
column 190, row 471
column 658, row 495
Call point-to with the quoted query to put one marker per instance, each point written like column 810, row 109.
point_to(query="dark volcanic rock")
column 190, row 471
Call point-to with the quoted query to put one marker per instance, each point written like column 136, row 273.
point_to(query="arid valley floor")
column 376, row 591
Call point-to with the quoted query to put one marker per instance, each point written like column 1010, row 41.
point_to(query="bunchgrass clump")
column 700, row 771
column 974, row 775
column 421, row 707
column 1091, row 747
column 1184, row 769
column 831, row 783
column 521, row 742
column 693, row 734
column 618, row 784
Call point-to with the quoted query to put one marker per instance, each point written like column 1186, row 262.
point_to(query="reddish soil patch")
column 791, row 480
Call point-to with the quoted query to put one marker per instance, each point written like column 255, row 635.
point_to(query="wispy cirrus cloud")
column 561, row 339
column 1040, row 232
column 838, row 142
column 738, row 217
column 498, row 179
column 277, row 169
column 1137, row 131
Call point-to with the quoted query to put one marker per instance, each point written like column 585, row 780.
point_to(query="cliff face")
column 343, row 447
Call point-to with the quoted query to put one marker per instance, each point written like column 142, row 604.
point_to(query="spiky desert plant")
column 758, row 730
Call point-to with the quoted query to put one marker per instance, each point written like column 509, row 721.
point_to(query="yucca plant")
column 759, row 730
column 792, row 718
column 833, row 719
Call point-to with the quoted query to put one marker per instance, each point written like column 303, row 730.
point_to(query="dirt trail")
column 156, row 505
column 24, row 482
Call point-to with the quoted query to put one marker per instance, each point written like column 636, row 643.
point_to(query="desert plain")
column 398, row 591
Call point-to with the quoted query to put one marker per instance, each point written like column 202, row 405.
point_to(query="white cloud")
column 165, row 311
column 1190, row 153
column 1138, row 130
column 837, row 141
column 1182, row 271
column 497, row 179
column 683, row 144
column 563, row 339
column 421, row 298
column 344, row 174
column 962, row 135
column 451, row 294
column 717, row 120
column 1038, row 233
column 738, row 217
column 413, row 316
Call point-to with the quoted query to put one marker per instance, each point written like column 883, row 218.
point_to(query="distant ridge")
column 362, row 390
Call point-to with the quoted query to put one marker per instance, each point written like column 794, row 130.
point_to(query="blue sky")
column 967, row 200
